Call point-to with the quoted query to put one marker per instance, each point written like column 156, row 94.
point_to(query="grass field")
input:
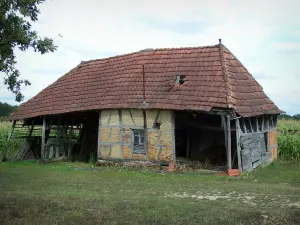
column 63, row 193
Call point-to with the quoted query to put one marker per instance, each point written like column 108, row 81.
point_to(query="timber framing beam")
column 43, row 138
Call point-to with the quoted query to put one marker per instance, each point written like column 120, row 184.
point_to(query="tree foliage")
column 16, row 33
column 287, row 116
column 6, row 109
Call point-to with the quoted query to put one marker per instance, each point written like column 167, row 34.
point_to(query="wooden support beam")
column 228, row 144
column 257, row 127
column 31, row 129
column 263, row 124
column 268, row 128
column 238, row 144
column 225, row 130
column 252, row 130
column 70, row 145
column 58, row 137
column 43, row 138
column 244, row 124
column 121, row 133
column 8, row 139
column 99, row 127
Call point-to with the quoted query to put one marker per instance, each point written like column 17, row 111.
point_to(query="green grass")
column 62, row 193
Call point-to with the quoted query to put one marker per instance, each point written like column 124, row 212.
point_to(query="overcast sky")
column 264, row 35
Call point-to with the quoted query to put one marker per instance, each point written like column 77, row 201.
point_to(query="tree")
column 15, row 32
column 6, row 109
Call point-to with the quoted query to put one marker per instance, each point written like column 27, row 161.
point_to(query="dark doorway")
column 200, row 137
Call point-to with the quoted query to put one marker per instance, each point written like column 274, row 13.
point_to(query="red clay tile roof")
column 214, row 78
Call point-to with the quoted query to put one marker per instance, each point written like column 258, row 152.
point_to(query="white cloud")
column 95, row 29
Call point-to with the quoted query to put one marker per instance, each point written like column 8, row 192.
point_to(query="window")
column 138, row 141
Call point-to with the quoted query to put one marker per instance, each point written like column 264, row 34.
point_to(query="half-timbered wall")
column 116, row 134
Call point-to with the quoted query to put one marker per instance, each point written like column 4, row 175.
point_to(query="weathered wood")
column 146, row 134
column 244, row 124
column 188, row 144
column 173, row 136
column 263, row 124
column 58, row 137
column 99, row 128
column 223, row 120
column 228, row 144
column 238, row 144
column 64, row 131
column 43, row 138
column 257, row 127
column 70, row 144
column 252, row 130
column 61, row 158
column 26, row 146
column 8, row 139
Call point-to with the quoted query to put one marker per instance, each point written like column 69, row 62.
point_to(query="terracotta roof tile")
column 117, row 82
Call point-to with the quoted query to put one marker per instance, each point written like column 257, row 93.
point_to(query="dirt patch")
column 261, row 200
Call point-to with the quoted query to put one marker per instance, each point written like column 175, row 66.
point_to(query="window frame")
column 140, row 147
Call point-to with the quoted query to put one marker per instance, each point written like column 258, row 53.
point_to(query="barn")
column 161, row 105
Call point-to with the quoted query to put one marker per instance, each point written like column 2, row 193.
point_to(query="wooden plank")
column 238, row 144
column 8, row 139
column 228, row 144
column 61, row 158
column 43, row 138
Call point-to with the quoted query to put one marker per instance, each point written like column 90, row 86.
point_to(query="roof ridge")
column 225, row 76
column 152, row 50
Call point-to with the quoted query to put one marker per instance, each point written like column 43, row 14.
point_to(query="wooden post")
column 228, row 143
column 268, row 129
column 244, row 124
column 8, row 139
column 257, row 127
column 58, row 141
column 225, row 130
column 43, row 138
column 31, row 129
column 263, row 124
column 99, row 133
column 188, row 144
column 70, row 140
column 238, row 144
